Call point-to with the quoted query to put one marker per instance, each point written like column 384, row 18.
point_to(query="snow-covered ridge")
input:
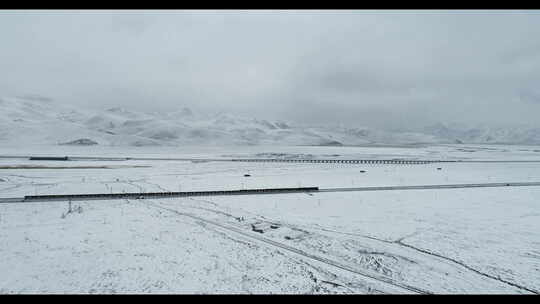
column 39, row 120
column 485, row 134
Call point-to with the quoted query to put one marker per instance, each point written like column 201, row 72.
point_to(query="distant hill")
column 39, row 120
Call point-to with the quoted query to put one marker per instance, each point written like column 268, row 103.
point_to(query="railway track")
column 420, row 187
column 158, row 195
column 266, row 160
column 283, row 160
column 342, row 161
column 152, row 195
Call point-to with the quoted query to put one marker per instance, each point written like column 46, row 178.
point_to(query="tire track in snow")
column 424, row 251
column 400, row 242
column 372, row 277
column 333, row 280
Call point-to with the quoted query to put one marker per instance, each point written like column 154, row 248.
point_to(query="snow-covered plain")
column 484, row 240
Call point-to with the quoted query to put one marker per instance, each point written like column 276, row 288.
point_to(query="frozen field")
column 484, row 240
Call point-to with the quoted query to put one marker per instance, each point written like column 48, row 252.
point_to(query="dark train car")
column 48, row 158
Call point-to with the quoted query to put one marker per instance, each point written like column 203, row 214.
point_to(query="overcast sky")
column 386, row 69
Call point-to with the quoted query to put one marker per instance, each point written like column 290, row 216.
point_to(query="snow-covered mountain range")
column 38, row 120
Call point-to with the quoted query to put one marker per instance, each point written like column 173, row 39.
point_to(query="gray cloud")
column 390, row 69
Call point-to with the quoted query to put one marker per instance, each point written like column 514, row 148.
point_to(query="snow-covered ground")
column 483, row 240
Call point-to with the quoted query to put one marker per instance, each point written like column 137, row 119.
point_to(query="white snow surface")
column 483, row 240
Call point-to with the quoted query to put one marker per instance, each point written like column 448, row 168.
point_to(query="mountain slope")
column 38, row 120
